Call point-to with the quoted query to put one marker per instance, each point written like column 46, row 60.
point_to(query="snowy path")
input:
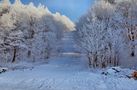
column 68, row 71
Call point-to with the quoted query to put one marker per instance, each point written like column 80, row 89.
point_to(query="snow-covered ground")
column 67, row 71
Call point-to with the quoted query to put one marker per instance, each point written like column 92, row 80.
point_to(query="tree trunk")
column 90, row 59
column 14, row 55
column 29, row 54
column 48, row 55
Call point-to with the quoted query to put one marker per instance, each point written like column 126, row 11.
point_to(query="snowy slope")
column 68, row 71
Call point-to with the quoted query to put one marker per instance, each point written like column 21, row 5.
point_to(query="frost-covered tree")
column 126, row 15
column 108, row 33
column 28, row 32
column 110, row 1
column 4, row 6
column 127, row 11
column 98, row 34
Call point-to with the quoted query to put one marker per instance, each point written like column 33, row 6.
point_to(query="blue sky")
column 71, row 8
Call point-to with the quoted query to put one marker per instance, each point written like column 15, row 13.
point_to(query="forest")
column 45, row 50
